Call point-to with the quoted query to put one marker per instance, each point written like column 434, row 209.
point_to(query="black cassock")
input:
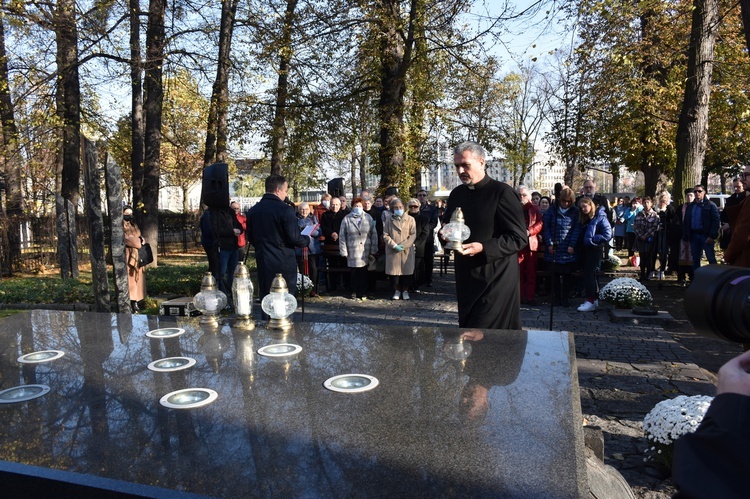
column 487, row 283
column 713, row 461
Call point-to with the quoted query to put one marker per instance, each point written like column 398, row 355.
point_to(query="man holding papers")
column 272, row 228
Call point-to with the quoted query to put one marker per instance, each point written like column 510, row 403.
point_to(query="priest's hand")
column 471, row 249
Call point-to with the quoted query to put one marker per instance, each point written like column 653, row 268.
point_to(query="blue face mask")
column 357, row 210
column 398, row 213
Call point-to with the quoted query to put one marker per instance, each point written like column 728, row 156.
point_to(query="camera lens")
column 718, row 302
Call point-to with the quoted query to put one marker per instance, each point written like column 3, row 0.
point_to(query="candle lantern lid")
column 278, row 285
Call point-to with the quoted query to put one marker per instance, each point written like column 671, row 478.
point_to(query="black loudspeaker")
column 336, row 187
column 215, row 191
column 391, row 191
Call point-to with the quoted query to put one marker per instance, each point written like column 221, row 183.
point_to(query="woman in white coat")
column 399, row 234
column 358, row 240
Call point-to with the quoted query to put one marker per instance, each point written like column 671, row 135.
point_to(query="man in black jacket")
column 272, row 228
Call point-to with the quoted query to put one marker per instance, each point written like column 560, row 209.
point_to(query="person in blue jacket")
column 594, row 228
column 701, row 227
column 272, row 228
column 557, row 231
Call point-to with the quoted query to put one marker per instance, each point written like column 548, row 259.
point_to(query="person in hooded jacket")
column 557, row 231
column 595, row 231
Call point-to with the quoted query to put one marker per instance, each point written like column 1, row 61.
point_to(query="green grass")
column 176, row 276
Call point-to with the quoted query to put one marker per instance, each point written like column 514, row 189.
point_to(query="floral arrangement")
column 304, row 284
column 625, row 292
column 611, row 263
column 671, row 419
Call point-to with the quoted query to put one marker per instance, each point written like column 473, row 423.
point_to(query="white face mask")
column 326, row 204
column 357, row 210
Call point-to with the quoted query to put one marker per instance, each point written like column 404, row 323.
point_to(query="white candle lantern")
column 210, row 301
column 279, row 304
column 242, row 292
column 456, row 232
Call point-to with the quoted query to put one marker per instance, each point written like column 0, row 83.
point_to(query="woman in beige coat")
column 136, row 273
column 399, row 234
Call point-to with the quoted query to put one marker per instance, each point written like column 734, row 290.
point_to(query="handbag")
column 145, row 255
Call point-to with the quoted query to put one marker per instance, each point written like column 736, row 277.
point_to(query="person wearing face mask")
column 323, row 206
column 399, row 234
column 358, row 241
column 136, row 273
column 558, row 226
column 645, row 227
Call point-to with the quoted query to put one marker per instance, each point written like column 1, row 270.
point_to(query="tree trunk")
column 278, row 128
column 95, row 220
column 692, row 129
column 216, row 129
column 395, row 58
column 112, row 179
column 68, row 111
column 153, row 102
column 745, row 8
column 136, row 116
column 10, row 162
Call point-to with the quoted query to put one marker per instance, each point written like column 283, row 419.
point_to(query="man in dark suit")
column 272, row 228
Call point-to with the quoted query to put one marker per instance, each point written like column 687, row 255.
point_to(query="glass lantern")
column 242, row 292
column 279, row 304
column 456, row 232
column 210, row 301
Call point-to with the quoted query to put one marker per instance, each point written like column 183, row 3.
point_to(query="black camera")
column 718, row 302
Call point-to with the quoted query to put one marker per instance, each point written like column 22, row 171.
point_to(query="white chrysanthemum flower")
column 625, row 292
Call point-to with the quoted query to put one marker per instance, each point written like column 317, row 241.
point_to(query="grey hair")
column 299, row 206
column 521, row 188
column 472, row 147
column 394, row 202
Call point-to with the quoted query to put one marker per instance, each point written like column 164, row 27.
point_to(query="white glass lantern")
column 210, row 301
column 279, row 304
column 242, row 292
column 456, row 232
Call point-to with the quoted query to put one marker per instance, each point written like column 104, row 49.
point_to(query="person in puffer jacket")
column 596, row 231
column 559, row 221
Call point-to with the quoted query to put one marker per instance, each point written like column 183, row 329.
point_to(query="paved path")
column 623, row 369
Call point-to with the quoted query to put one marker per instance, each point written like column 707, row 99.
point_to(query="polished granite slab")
column 457, row 413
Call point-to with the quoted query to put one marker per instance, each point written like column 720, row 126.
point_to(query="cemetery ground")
column 624, row 369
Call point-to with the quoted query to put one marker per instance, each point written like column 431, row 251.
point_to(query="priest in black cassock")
column 487, row 267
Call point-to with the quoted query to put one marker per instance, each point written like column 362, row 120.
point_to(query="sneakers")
column 587, row 306
column 405, row 295
column 397, row 295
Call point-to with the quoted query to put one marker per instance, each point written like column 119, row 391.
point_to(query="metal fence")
column 29, row 243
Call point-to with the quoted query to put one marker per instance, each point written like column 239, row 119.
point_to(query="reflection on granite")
column 457, row 413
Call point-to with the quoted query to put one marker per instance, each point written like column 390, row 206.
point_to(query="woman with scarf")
column 645, row 226
column 596, row 233
column 399, row 234
column 136, row 273
column 358, row 241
